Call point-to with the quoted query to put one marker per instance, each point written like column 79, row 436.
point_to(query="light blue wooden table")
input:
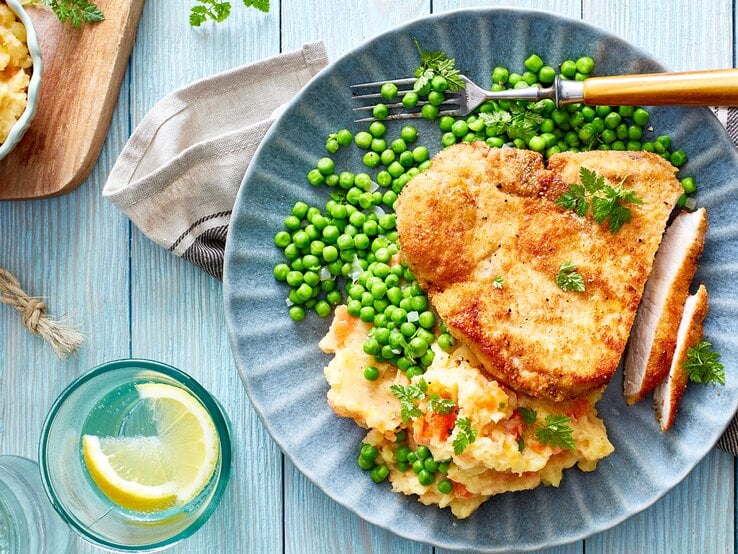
column 135, row 299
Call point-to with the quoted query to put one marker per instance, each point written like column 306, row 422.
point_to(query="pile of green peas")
column 368, row 455
column 427, row 469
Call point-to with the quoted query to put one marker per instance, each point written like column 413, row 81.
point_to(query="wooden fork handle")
column 717, row 87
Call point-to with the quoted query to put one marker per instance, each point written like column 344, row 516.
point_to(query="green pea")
column 311, row 278
column 438, row 84
column 371, row 373
column 495, row 142
column 443, row 467
column 380, row 111
column 315, row 177
column 513, row 79
column 688, row 183
column 282, row 239
column 568, row 69
column 388, row 91
column 322, row 308
column 363, row 139
column 640, row 117
column 546, row 75
column 436, row 98
column 678, row 158
column 412, row 457
column 410, row 99
column 365, row 464
column 420, row 154
column 378, row 145
column 533, row 63
column 431, row 465
column 325, row 166
column 334, row 297
column 429, row 112
column 500, row 75
column 371, row 159
column 682, row 201
column 445, row 486
column 422, row 452
column 297, row 313
column 379, row 473
column 530, row 78
column 447, row 139
column 344, row 137
column 409, row 133
column 425, row 477
column 460, row 128
column 418, row 466
column 332, row 146
column 664, row 141
column 445, row 341
column 537, row 143
column 401, row 453
column 585, row 64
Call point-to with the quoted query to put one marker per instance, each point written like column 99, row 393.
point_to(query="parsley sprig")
column 410, row 396
column 521, row 121
column 703, row 365
column 77, row 12
column 554, row 431
column 498, row 282
column 217, row 10
column 569, row 279
column 607, row 202
column 465, row 436
column 436, row 63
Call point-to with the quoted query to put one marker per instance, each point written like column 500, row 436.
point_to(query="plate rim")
column 306, row 470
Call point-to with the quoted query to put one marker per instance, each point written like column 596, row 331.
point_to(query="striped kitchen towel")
column 178, row 175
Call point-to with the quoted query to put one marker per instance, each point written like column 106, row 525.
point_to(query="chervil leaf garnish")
column 436, row 63
column 261, row 5
column 439, row 405
column 409, row 397
column 703, row 365
column 556, row 431
column 209, row 9
column 607, row 201
column 498, row 282
column 218, row 10
column 521, row 121
column 569, row 279
column 77, row 12
column 465, row 436
column 574, row 199
column 527, row 414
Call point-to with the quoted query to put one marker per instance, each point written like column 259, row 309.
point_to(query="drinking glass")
column 27, row 521
column 104, row 402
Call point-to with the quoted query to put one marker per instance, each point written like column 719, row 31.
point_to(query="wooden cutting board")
column 83, row 71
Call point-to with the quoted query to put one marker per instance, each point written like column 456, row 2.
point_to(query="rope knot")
column 63, row 339
column 32, row 313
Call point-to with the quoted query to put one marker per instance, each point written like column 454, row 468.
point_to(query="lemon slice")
column 157, row 473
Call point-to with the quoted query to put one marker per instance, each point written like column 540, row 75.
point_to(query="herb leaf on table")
column 77, row 12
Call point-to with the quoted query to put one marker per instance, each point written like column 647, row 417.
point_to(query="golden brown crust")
column 479, row 213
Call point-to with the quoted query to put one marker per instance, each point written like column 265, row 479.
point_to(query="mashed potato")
column 505, row 456
column 14, row 77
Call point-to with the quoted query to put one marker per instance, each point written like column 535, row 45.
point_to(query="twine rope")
column 64, row 339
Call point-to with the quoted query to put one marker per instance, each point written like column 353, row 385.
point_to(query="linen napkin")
column 178, row 175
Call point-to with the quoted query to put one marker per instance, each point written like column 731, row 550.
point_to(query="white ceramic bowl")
column 34, row 87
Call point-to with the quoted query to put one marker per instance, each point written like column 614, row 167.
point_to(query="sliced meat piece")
column 669, row 392
column 653, row 339
column 479, row 213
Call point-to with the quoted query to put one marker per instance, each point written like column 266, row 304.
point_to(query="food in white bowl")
column 15, row 70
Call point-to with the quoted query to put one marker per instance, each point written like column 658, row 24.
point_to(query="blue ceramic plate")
column 282, row 367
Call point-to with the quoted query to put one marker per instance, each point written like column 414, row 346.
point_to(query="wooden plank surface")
column 133, row 298
column 83, row 71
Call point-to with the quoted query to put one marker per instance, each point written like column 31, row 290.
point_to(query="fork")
column 717, row 87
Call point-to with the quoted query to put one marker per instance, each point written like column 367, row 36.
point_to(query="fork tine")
column 407, row 81
column 447, row 102
column 376, row 95
column 400, row 93
column 407, row 115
